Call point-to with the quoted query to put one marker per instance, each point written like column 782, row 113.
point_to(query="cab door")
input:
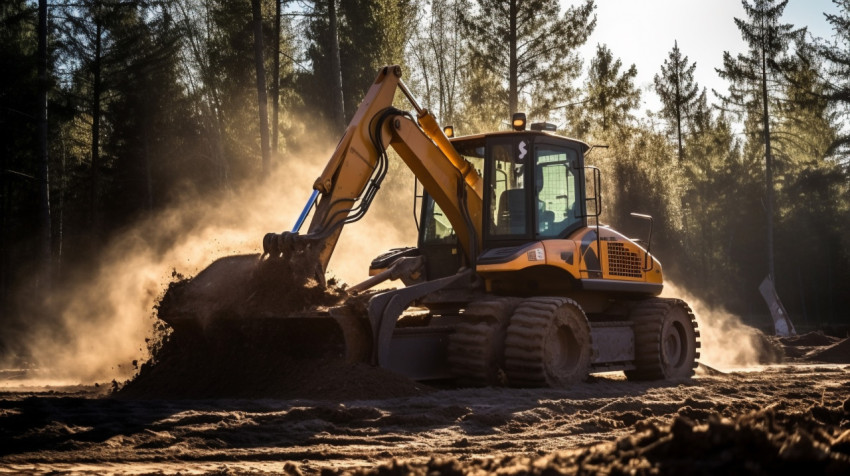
column 507, row 196
column 533, row 190
column 438, row 242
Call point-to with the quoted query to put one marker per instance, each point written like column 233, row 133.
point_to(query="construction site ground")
column 793, row 416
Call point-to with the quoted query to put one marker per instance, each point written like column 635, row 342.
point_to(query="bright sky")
column 643, row 32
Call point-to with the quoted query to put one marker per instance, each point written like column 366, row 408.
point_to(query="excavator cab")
column 534, row 184
column 534, row 190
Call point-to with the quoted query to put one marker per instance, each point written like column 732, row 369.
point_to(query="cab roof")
column 584, row 146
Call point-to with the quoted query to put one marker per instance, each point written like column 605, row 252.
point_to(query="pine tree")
column 714, row 186
column 532, row 47
column 806, row 124
column 149, row 123
column 482, row 109
column 812, row 197
column 260, row 73
column 372, row 34
column 678, row 91
column 226, row 48
column 90, row 32
column 837, row 55
column 610, row 95
column 204, row 86
column 755, row 82
column 19, row 171
column 337, row 94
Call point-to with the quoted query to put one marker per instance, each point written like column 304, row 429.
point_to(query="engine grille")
column 622, row 262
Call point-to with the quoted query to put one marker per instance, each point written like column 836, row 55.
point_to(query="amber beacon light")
column 518, row 121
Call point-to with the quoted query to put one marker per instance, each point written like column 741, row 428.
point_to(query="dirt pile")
column 815, row 346
column 762, row 442
column 246, row 327
column 838, row 352
column 814, row 338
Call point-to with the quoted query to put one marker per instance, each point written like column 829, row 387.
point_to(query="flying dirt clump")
column 250, row 328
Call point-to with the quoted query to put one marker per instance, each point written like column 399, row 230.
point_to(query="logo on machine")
column 536, row 254
column 522, row 150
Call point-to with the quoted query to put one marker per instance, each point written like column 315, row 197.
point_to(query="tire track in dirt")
column 46, row 432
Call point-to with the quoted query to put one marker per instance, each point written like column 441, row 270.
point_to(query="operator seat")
column 512, row 212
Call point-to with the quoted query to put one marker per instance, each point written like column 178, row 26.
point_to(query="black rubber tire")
column 666, row 340
column 476, row 347
column 548, row 344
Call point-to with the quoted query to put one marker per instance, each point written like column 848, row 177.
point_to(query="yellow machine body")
column 519, row 281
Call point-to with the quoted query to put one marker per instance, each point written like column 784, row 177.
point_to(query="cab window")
column 438, row 229
column 556, row 190
column 508, row 198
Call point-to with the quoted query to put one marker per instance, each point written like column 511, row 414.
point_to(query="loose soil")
column 246, row 327
column 764, row 421
column 245, row 410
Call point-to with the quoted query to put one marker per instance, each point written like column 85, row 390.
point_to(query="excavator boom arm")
column 354, row 173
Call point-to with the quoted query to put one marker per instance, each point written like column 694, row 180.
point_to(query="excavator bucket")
column 245, row 313
column 243, row 286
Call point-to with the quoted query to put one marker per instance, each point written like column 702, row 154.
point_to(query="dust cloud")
column 726, row 342
column 98, row 326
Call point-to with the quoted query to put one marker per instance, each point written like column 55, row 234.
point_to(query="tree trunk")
column 60, row 209
column 768, row 160
column 97, row 92
column 262, row 100
column 336, row 73
column 147, row 155
column 679, row 114
column 44, row 165
column 513, row 94
column 5, row 252
column 276, row 79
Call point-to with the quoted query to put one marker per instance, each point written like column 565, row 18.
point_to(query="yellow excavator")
column 513, row 281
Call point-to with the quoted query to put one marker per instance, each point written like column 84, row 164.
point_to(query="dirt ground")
column 202, row 411
column 758, row 421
